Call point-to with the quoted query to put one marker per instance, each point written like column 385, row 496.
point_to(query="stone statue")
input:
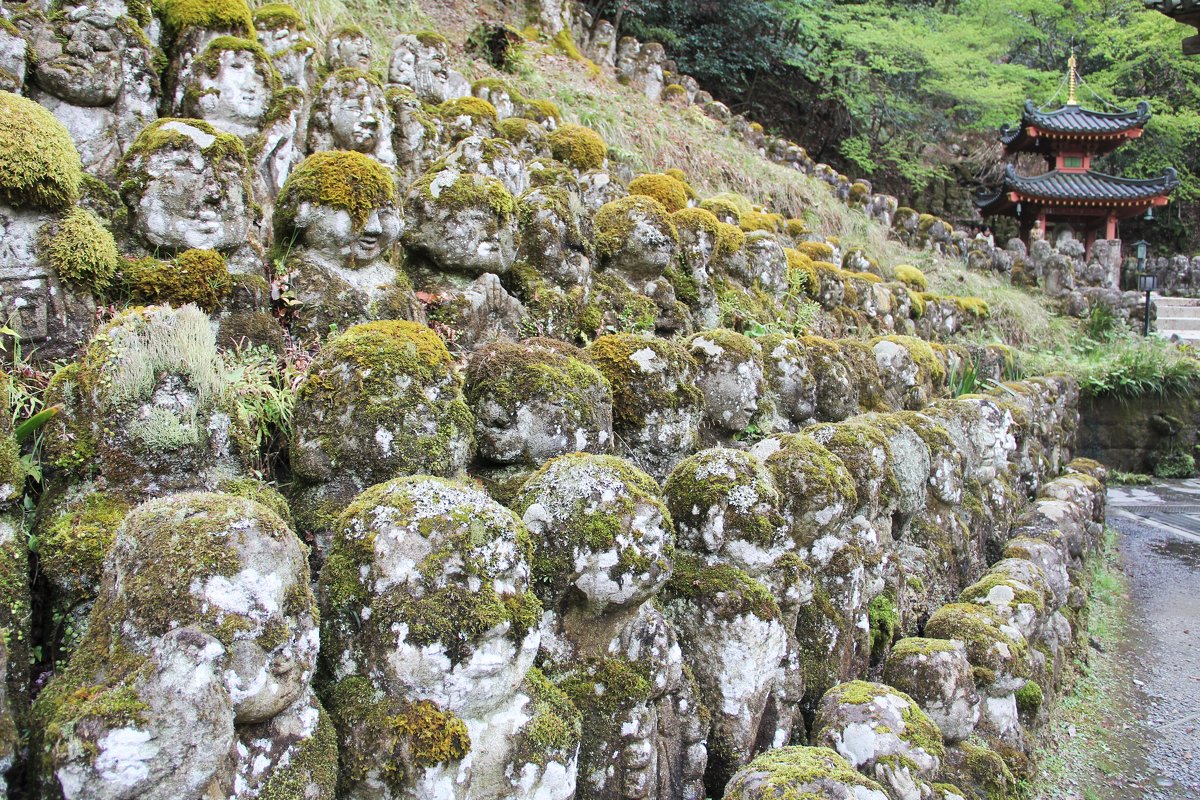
column 186, row 185
column 349, row 48
column 338, row 221
column 95, row 72
column 283, row 34
column 231, row 85
column 350, row 112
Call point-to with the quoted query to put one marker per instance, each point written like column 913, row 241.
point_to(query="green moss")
column 519, row 130
column 385, row 365
column 816, row 251
column 259, row 492
column 728, row 239
column 210, row 60
column 931, row 368
column 73, row 546
column 666, row 190
column 728, row 208
column 985, row 769
column 978, row 592
column 756, row 220
column 588, row 521
column 918, row 646
column 884, row 621
column 799, row 773
column 604, row 691
column 865, row 450
column 385, row 736
column 12, row 469
column 911, row 277
column 315, row 764
column 540, row 111
column 637, row 393
column 39, row 164
column 616, row 220
column 432, row 39
column 721, row 589
column 578, row 146
column 687, row 288
column 194, row 276
column 511, row 374
column 973, row 307
column 469, row 191
column 479, row 110
column 673, row 91
column 278, row 15
column 347, row 180
column 732, row 481
column 980, row 630
column 554, row 728
column 218, row 15
column 81, row 251
column 1029, row 699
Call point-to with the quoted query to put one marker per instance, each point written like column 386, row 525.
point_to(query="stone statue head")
column 351, row 113
column 90, row 36
column 282, row 33
column 339, row 207
column 349, row 47
column 231, row 85
column 186, row 185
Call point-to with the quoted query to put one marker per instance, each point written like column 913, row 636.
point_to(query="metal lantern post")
column 1146, row 282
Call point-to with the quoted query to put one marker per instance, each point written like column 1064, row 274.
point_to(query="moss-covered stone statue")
column 602, row 550
column 186, row 185
column 54, row 258
column 730, row 376
column 381, row 400
column 430, row 630
column 337, row 222
column 95, row 71
column 350, row 112
column 282, row 32
column 232, row 85
column 194, row 677
column 421, row 62
column 657, row 408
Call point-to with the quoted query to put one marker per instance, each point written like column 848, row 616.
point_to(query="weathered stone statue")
column 602, row 547
column 231, row 85
column 194, row 677
column 428, row 619
column 284, row 35
column 53, row 258
column 187, row 186
column 95, row 72
column 349, row 48
column 350, row 112
column 338, row 222
column 420, row 61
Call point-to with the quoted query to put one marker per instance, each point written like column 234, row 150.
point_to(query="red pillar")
column 1110, row 231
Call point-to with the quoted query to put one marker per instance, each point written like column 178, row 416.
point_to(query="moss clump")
column 540, row 111
column 478, row 110
column 911, row 277
column 802, row 272
column 194, row 276
column 974, row 307
column 989, row 648
column 225, row 15
column 1022, row 595
column 605, row 691
column 673, row 91
column 797, row 773
column 39, row 164
column 387, row 736
column 728, row 239
column 666, row 190
column 341, row 179
column 315, row 764
column 756, row 220
column 616, row 220
column 985, row 769
column 555, row 725
column 72, row 547
column 578, row 146
column 469, row 191
column 884, row 621
column 210, row 60
column 1029, row 699
column 278, row 15
column 432, row 39
column 519, row 130
column 82, row 251
column 817, row 251
column 723, row 589
column 636, row 392
column 727, row 207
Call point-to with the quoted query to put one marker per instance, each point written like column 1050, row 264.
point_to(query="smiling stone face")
column 185, row 186
column 351, row 113
column 231, row 86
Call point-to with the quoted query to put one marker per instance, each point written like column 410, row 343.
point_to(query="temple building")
column 1072, row 199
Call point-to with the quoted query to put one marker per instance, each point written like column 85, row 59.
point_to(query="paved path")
column 1159, row 528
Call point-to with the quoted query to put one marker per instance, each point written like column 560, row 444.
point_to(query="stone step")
column 1179, row 312
column 1191, row 337
column 1179, row 323
column 1177, row 302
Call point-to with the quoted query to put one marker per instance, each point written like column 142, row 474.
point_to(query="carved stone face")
column 191, row 200
column 358, row 117
column 236, row 98
column 330, row 237
column 349, row 50
column 87, row 69
column 276, row 40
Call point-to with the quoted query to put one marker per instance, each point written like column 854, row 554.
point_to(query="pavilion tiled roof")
column 1174, row 7
column 1079, row 186
column 1076, row 120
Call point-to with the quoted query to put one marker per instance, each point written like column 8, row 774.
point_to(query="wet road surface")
column 1159, row 539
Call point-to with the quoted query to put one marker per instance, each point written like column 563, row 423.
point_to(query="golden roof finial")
column 1071, row 81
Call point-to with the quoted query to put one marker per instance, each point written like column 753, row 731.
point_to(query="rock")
column 816, row 772
column 938, row 676
column 730, row 376
column 635, row 238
